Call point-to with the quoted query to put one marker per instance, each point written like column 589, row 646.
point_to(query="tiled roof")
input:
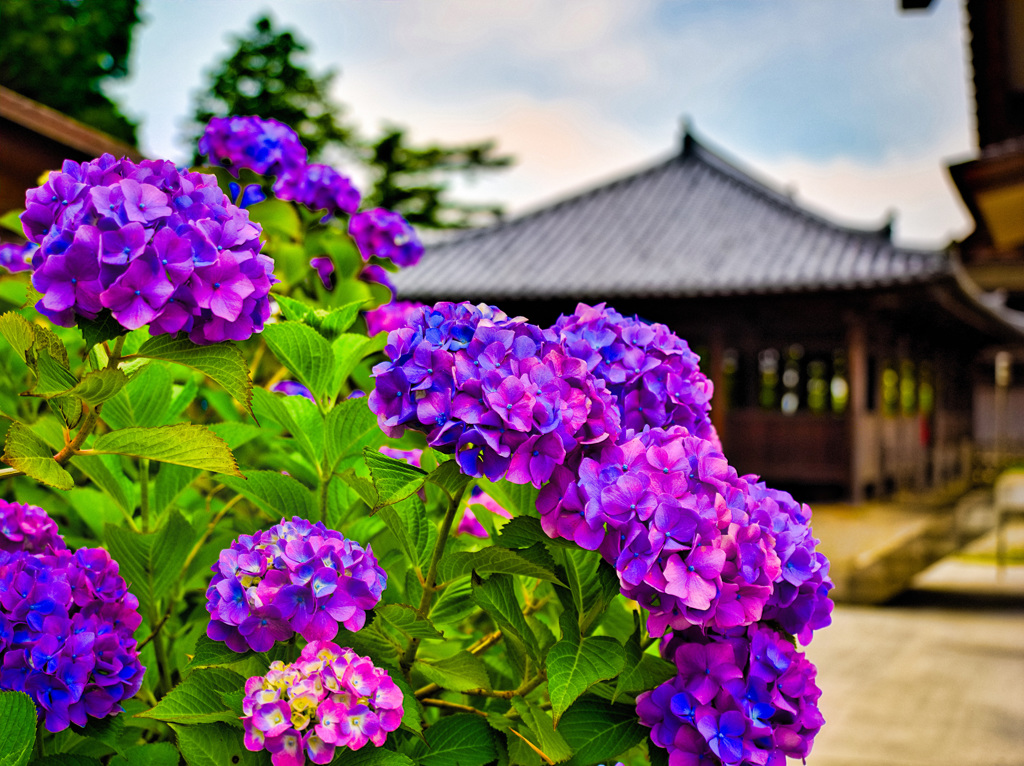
column 692, row 225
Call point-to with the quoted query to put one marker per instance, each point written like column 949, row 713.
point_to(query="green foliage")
column 197, row 699
column 17, row 728
column 61, row 54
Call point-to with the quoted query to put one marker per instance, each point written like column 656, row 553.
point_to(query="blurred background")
column 826, row 199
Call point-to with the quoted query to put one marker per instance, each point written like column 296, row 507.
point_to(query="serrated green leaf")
column 403, row 617
column 524, row 531
column 277, row 494
column 289, row 413
column 107, row 730
column 210, row 653
column 197, row 699
column 337, row 321
column 106, row 472
column 295, row 310
column 171, row 481
column 186, row 444
column 490, row 561
column 575, row 665
column 17, row 331
column 376, row 756
column 393, row 479
column 214, row 744
column 550, row 741
column 407, row 520
column 454, row 604
column 459, row 740
column 350, row 427
column 348, row 350
column 52, row 377
column 144, row 401
column 306, row 354
column 25, row 452
column 461, row 672
column 104, row 327
column 98, row 386
column 150, row 754
column 597, row 731
column 151, row 563
column 449, row 478
column 497, row 597
column 17, row 728
column 221, row 362
column 236, row 434
column 642, row 671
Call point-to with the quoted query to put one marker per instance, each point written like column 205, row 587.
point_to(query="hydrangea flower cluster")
column 15, row 258
column 266, row 147
column 385, row 234
column 27, row 528
column 329, row 698
column 390, row 316
column 493, row 391
column 150, row 244
column 653, row 374
column 296, row 577
column 319, row 187
column 747, row 698
column 66, row 625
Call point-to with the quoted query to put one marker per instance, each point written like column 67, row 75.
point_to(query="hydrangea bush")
column 255, row 510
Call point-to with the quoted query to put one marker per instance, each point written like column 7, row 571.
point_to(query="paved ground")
column 933, row 678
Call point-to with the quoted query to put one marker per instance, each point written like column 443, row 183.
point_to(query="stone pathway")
column 934, row 677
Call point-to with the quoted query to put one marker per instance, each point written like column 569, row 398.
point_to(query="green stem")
column 144, row 492
column 431, row 579
column 325, row 482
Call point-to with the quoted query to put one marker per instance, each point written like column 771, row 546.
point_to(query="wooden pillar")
column 719, row 403
column 857, row 365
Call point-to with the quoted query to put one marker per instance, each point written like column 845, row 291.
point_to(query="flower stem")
column 144, row 492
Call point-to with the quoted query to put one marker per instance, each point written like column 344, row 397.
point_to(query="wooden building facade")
column 841, row 362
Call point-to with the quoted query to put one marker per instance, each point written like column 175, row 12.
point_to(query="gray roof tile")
column 694, row 224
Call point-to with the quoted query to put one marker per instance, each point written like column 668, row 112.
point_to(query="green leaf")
column 210, row 653
column 171, row 481
column 11, row 220
column 153, row 754
column 151, row 563
column 67, row 759
column 460, row 740
column 221, row 362
column 17, row 728
column 106, row 472
column 197, row 699
column 550, row 741
column 98, row 386
column 277, row 217
column 144, row 401
column 305, row 353
column 25, row 452
column 350, row 427
column 592, row 582
column 349, row 349
column 17, row 331
column 186, row 444
column 517, row 499
column 642, row 671
column 497, row 597
column 215, row 744
column 394, row 479
column 337, row 321
column 575, row 665
column 107, row 730
column 598, row 731
column 52, row 377
column 236, row 434
column 295, row 310
column 273, row 492
column 293, row 414
column 524, row 531
column 454, row 604
column 461, row 672
column 490, row 561
column 376, row 756
column 449, row 478
column 403, row 617
column 407, row 521
column 103, row 327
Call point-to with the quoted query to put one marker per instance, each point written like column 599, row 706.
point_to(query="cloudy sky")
column 853, row 106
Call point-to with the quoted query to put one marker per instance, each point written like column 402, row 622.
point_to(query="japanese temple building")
column 842, row 363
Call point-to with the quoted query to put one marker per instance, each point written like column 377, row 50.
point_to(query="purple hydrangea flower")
column 266, row 147
column 293, row 388
column 15, row 258
column 492, row 391
column 67, row 633
column 150, row 244
column 27, row 528
column 385, row 234
column 324, row 267
column 327, row 699
column 319, row 187
column 651, row 372
column 745, row 697
column 390, row 316
column 296, row 577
